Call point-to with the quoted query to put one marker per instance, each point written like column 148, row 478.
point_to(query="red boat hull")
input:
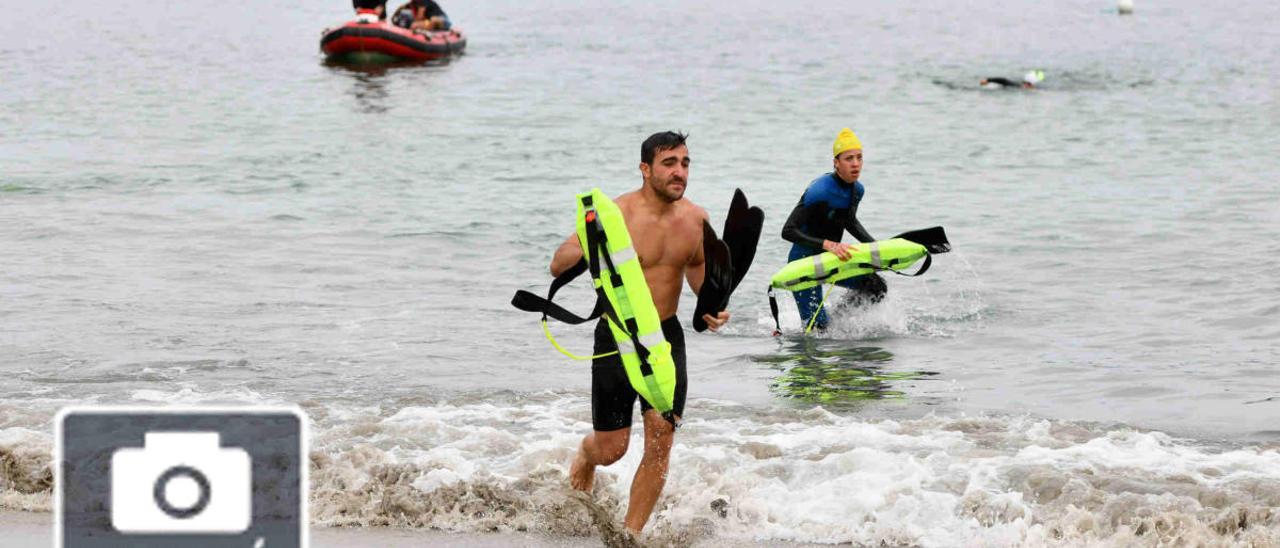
column 386, row 42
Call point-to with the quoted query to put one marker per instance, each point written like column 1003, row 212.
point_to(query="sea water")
column 195, row 208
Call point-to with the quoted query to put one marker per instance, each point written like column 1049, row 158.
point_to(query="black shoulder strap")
column 597, row 250
column 928, row 261
column 529, row 302
column 773, row 308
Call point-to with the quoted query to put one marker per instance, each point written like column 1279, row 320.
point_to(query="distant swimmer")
column 1029, row 80
column 999, row 82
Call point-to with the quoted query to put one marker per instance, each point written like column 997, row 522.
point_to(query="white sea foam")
column 808, row 476
column 783, row 474
column 925, row 307
column 188, row 394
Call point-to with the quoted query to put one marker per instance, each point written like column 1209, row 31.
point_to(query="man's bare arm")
column 695, row 271
column 569, row 253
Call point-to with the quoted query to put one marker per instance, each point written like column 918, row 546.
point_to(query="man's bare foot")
column 611, row 534
column 582, row 474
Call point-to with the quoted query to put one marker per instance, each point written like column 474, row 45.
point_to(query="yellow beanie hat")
column 846, row 140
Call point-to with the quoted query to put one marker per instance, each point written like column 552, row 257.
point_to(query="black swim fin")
column 742, row 234
column 717, row 280
column 933, row 239
column 728, row 260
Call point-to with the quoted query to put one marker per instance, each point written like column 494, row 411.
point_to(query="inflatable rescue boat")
column 367, row 40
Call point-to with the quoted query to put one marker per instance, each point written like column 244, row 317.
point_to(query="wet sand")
column 28, row 529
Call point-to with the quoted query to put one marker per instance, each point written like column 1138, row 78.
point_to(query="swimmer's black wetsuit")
column 828, row 207
column 1004, row 82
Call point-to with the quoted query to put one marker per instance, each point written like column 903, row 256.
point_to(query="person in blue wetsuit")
column 829, row 207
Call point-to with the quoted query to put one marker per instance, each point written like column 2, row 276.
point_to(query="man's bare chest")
column 661, row 244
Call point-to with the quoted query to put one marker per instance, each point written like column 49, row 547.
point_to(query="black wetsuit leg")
column 612, row 398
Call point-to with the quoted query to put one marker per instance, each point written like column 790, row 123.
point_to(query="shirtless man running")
column 666, row 232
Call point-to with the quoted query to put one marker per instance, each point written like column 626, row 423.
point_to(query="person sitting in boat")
column 829, row 207
column 373, row 10
column 1029, row 80
column 422, row 15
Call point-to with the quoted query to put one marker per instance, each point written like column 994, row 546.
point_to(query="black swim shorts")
column 612, row 398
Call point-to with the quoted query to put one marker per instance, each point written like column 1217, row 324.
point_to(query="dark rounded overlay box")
column 199, row 477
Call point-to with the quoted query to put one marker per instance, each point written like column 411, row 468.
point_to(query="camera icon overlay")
column 199, row 477
column 168, row 485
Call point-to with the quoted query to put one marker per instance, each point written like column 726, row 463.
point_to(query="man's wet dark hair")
column 659, row 142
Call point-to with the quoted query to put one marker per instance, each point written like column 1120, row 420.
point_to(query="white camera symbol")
column 181, row 482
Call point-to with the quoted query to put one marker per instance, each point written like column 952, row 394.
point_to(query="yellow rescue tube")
column 633, row 318
column 897, row 253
